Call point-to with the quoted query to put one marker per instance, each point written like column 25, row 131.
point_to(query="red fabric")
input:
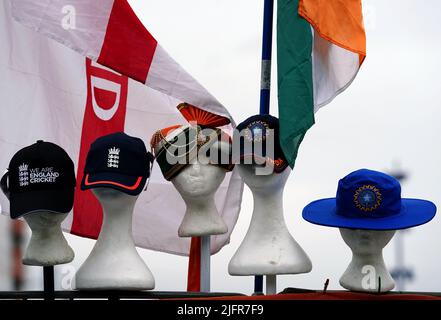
column 87, row 215
column 332, row 295
column 194, row 266
column 128, row 47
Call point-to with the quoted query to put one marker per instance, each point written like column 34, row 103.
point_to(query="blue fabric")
column 371, row 200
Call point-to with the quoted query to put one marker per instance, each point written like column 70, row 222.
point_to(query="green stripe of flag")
column 295, row 84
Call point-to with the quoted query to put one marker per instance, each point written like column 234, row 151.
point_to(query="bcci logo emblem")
column 257, row 131
column 23, row 175
column 367, row 198
column 113, row 158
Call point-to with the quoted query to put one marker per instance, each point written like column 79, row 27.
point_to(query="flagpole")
column 205, row 263
column 265, row 84
column 267, row 39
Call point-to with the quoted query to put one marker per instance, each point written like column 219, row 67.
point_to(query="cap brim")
column 57, row 201
column 131, row 185
column 414, row 212
column 262, row 160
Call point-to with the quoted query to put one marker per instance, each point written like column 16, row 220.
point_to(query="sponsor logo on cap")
column 27, row 175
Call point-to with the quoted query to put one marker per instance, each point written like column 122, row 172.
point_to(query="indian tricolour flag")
column 321, row 46
column 116, row 78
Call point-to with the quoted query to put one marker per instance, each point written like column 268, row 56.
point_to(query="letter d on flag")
column 105, row 113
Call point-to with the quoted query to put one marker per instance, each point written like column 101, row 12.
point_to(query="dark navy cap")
column 40, row 177
column 370, row 200
column 258, row 140
column 117, row 161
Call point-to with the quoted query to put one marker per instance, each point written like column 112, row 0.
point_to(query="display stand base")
column 49, row 292
column 112, row 295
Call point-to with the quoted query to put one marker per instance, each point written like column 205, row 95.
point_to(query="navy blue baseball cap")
column 40, row 177
column 253, row 136
column 369, row 200
column 117, row 161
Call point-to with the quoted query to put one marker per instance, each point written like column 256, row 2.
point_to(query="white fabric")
column 334, row 69
column 165, row 75
column 83, row 33
column 43, row 94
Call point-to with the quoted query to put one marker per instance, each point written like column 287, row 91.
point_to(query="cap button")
column 40, row 141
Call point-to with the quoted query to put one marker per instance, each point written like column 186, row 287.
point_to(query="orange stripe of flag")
column 338, row 21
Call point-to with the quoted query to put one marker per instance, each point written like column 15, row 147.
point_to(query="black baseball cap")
column 117, row 161
column 40, row 177
column 258, row 131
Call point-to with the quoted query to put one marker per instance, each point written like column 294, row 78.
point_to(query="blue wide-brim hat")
column 369, row 200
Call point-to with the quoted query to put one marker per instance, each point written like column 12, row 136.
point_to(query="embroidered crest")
column 257, row 131
column 113, row 158
column 23, row 175
column 367, row 198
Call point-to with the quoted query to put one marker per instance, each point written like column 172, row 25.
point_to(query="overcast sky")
column 390, row 114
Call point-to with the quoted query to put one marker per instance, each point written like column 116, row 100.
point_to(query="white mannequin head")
column 268, row 247
column 367, row 270
column 198, row 180
column 197, row 184
column 47, row 246
column 366, row 242
column 114, row 262
column 262, row 183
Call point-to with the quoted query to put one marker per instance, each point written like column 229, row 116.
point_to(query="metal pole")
column 205, row 263
column 48, row 280
column 258, row 285
column 271, row 284
column 265, row 84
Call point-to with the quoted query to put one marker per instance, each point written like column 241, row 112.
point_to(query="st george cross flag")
column 321, row 45
column 110, row 33
column 50, row 92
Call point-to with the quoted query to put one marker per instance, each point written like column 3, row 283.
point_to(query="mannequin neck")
column 47, row 245
column 45, row 227
column 375, row 259
column 49, row 234
column 200, row 206
column 268, row 206
column 118, row 205
column 201, row 218
column 117, row 219
column 367, row 272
